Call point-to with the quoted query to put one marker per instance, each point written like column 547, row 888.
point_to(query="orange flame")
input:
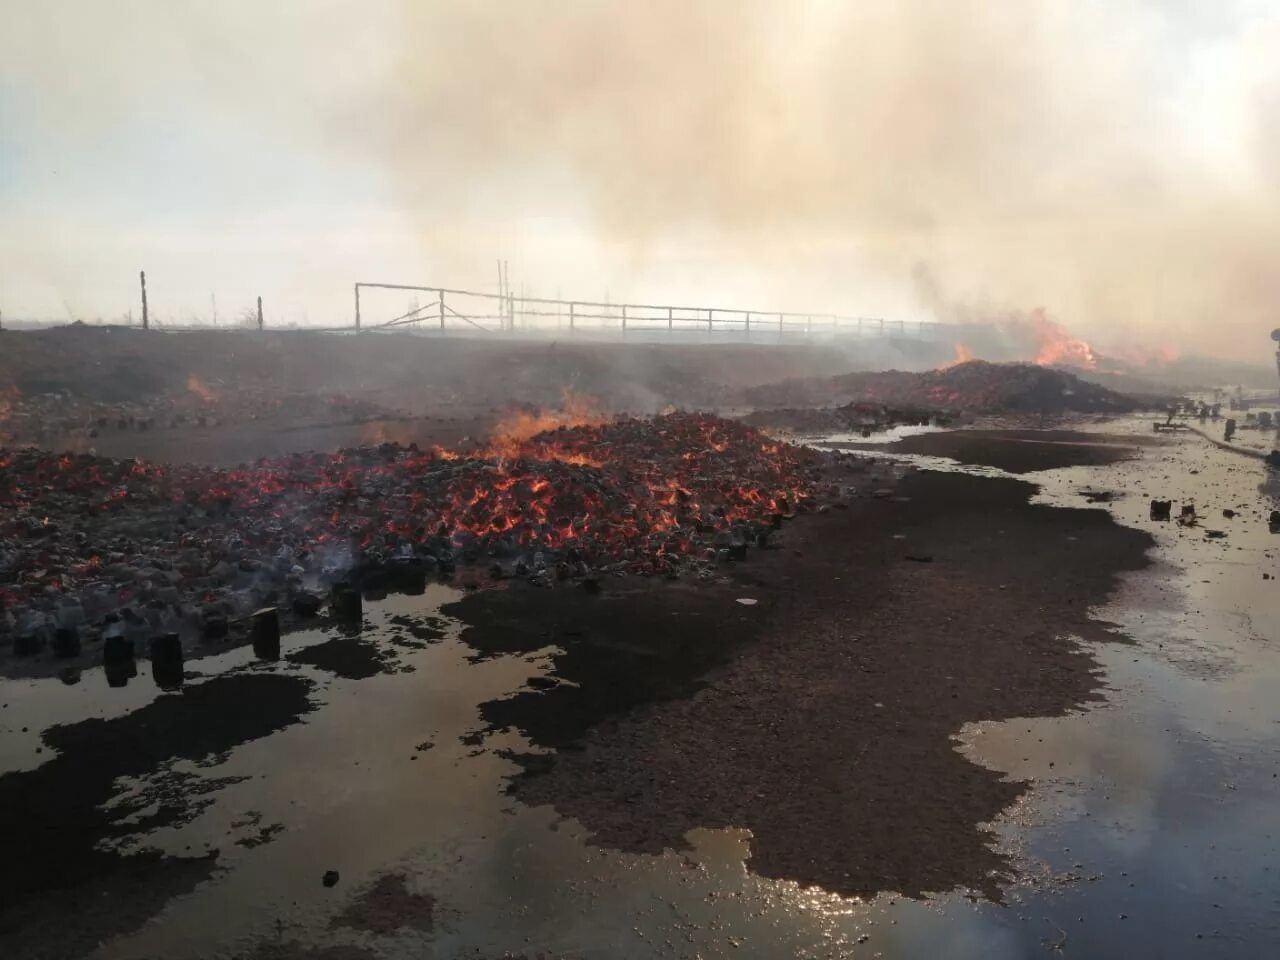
column 963, row 355
column 510, row 436
column 201, row 389
column 1055, row 345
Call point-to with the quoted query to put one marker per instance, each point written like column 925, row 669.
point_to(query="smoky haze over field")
column 1115, row 165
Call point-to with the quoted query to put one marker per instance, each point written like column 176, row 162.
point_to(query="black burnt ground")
column 821, row 718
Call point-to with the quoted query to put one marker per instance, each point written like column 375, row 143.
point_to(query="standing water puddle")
column 1151, row 831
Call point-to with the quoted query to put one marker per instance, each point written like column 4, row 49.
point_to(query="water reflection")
column 120, row 672
column 1151, row 830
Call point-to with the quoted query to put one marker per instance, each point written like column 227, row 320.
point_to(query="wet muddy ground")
column 661, row 770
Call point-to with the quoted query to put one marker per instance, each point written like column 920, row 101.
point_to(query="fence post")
column 259, row 313
column 442, row 311
column 748, row 324
column 709, row 320
column 779, row 328
column 571, row 307
column 624, row 318
column 357, row 308
column 671, row 319
column 142, row 276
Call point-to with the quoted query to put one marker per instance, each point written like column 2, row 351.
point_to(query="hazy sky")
column 1115, row 163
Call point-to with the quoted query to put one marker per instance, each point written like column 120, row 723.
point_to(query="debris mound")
column 183, row 548
column 974, row 386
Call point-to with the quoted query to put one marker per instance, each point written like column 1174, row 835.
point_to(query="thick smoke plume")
column 1117, row 165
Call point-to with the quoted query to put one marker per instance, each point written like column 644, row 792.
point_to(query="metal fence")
column 451, row 310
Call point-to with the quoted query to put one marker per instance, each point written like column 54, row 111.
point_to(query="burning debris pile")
column 184, row 549
column 974, row 386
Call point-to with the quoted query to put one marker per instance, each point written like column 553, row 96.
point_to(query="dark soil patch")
column 821, row 718
column 351, row 658
column 387, row 906
column 425, row 629
column 293, row 950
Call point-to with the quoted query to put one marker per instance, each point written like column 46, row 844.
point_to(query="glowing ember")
column 648, row 496
column 199, row 388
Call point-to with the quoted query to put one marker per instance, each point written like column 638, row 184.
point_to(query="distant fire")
column 200, row 389
column 1054, row 345
column 963, row 355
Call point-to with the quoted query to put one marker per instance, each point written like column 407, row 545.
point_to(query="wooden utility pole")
column 142, row 276
column 259, row 313
column 502, row 296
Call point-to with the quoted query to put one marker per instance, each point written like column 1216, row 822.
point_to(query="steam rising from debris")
column 1114, row 164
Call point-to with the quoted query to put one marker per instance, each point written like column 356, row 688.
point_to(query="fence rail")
column 454, row 309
